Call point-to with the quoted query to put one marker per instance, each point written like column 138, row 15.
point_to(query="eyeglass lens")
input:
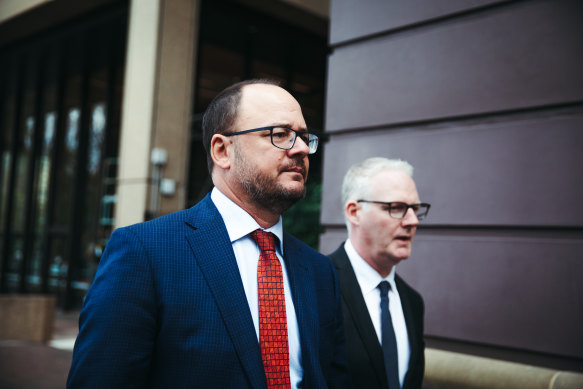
column 399, row 210
column 285, row 138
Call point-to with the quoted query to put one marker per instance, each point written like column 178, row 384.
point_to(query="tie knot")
column 384, row 286
column 265, row 240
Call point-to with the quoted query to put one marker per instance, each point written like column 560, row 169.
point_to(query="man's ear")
column 351, row 211
column 220, row 151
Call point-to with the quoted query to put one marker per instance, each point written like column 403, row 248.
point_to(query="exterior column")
column 156, row 106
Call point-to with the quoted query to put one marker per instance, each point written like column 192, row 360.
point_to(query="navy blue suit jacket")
column 167, row 309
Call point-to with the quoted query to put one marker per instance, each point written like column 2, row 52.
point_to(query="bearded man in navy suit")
column 174, row 303
column 383, row 315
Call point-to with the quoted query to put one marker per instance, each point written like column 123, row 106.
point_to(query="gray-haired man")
column 383, row 315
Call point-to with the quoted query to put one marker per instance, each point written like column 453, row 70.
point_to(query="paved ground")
column 27, row 365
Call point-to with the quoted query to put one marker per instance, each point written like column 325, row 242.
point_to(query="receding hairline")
column 259, row 87
column 262, row 94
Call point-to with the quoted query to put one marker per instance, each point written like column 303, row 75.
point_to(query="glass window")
column 26, row 127
column 94, row 235
column 60, row 104
column 57, row 266
column 34, row 271
column 8, row 89
column 43, row 167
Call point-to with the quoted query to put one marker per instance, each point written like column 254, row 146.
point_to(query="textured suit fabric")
column 365, row 356
column 167, row 309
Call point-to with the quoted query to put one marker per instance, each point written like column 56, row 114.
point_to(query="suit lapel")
column 213, row 252
column 303, row 291
column 409, row 321
column 352, row 295
column 302, row 288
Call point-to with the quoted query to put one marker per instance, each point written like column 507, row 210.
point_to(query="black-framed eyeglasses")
column 398, row 209
column 284, row 137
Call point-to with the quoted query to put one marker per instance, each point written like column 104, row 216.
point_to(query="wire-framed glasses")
column 398, row 209
column 284, row 137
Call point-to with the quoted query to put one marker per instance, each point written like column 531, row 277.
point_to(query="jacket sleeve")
column 117, row 326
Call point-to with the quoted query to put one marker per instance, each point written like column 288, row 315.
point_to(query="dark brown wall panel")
column 520, row 292
column 351, row 19
column 514, row 172
column 519, row 57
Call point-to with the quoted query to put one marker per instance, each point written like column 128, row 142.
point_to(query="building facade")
column 100, row 110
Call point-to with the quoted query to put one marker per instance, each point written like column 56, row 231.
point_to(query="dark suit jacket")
column 167, row 309
column 365, row 356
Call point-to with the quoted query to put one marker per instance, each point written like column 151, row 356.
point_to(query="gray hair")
column 356, row 183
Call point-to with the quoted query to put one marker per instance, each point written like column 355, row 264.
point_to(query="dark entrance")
column 60, row 99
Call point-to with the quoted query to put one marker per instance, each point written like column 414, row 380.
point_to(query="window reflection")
column 28, row 134
column 20, row 186
column 96, row 139
column 44, row 164
column 5, row 175
column 57, row 267
column 72, row 141
column 50, row 121
column 56, row 94
column 43, row 170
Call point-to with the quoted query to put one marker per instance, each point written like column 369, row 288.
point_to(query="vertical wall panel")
column 510, row 172
column 516, row 58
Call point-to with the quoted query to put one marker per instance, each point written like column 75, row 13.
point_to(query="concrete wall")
column 27, row 317
column 485, row 99
column 157, row 104
column 450, row 370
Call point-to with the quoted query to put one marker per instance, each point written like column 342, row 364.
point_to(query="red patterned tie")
column 272, row 317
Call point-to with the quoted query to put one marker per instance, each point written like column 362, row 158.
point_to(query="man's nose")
column 299, row 147
column 410, row 219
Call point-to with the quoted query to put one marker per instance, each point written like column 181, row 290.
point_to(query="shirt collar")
column 367, row 277
column 238, row 222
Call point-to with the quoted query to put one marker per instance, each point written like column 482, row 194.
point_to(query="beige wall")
column 27, row 317
column 157, row 103
column 11, row 8
column 175, row 90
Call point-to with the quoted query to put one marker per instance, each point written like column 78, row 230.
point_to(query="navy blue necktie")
column 389, row 342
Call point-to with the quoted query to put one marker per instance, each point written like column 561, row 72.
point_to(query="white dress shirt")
column 369, row 279
column 240, row 225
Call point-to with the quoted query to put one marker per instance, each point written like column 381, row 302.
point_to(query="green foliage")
column 303, row 219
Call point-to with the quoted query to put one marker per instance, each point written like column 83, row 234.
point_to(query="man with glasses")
column 383, row 316
column 219, row 296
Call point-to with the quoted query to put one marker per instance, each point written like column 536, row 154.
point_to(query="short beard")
column 263, row 191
